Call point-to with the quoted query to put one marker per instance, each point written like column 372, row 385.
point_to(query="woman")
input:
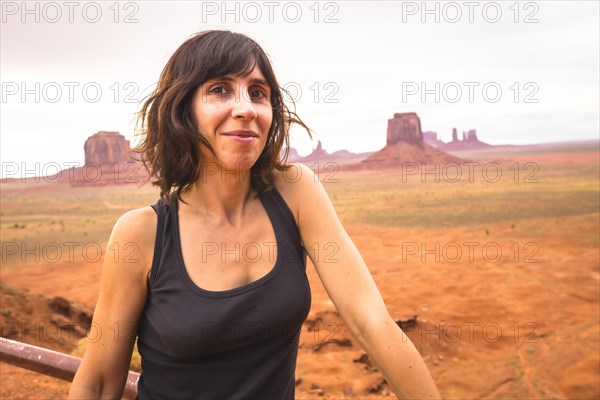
column 218, row 292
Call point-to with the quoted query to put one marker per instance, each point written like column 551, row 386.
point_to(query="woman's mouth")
column 243, row 136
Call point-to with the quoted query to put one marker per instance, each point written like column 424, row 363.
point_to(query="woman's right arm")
column 123, row 290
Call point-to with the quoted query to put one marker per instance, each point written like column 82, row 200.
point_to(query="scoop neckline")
column 237, row 290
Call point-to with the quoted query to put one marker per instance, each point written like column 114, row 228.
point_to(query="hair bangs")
column 232, row 55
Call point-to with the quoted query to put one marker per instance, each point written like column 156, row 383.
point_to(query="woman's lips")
column 242, row 136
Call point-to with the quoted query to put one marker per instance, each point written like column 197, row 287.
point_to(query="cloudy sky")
column 518, row 72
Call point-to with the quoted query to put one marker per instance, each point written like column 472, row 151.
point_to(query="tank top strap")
column 160, row 210
column 284, row 225
column 276, row 206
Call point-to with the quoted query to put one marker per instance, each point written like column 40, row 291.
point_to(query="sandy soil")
column 523, row 324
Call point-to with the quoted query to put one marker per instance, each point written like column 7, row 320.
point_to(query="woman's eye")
column 258, row 94
column 217, row 90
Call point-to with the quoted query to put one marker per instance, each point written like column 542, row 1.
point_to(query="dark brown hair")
column 169, row 148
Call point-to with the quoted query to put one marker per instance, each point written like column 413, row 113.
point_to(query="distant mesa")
column 405, row 143
column 321, row 155
column 317, row 154
column 105, row 148
column 431, row 138
column 404, row 127
column 293, row 155
column 109, row 160
column 469, row 141
column 345, row 154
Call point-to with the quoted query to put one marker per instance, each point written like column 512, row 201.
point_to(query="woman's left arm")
column 354, row 293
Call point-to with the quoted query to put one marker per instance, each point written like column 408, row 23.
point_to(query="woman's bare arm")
column 123, row 290
column 353, row 291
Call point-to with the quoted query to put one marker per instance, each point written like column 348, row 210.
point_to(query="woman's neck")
column 219, row 193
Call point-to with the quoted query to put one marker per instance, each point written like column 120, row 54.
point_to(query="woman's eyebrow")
column 254, row 81
column 259, row 81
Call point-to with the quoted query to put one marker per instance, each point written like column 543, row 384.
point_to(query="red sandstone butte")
column 405, row 145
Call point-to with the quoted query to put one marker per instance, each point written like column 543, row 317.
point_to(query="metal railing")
column 52, row 363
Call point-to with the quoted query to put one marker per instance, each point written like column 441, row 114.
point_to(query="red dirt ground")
column 486, row 330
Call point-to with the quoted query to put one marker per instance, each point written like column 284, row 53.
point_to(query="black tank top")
column 240, row 343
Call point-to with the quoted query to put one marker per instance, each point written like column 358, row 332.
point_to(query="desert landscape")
column 491, row 266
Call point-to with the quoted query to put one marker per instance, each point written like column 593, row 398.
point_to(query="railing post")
column 52, row 363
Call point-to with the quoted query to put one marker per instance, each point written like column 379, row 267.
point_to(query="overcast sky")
column 519, row 73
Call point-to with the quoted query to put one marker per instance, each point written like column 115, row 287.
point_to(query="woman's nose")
column 243, row 107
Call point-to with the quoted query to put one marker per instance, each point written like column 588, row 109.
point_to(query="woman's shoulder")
column 135, row 233
column 293, row 179
column 293, row 184
column 137, row 222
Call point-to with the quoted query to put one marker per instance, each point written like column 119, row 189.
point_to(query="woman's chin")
column 232, row 163
column 239, row 165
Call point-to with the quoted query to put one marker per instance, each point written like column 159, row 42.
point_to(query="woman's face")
column 234, row 114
